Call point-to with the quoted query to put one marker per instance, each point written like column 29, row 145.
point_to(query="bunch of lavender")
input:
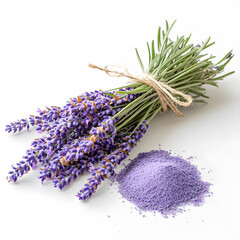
column 103, row 126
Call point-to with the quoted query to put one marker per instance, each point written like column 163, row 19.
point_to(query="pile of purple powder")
column 156, row 181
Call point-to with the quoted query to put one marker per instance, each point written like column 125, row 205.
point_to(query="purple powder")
column 156, row 181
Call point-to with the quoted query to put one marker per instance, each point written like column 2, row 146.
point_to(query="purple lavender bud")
column 21, row 169
column 8, row 128
column 229, row 55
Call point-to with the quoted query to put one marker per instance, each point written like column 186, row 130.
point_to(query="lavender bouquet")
column 103, row 126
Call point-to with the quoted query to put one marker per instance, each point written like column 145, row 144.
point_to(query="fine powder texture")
column 156, row 181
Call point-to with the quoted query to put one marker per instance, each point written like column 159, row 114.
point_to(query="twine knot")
column 167, row 95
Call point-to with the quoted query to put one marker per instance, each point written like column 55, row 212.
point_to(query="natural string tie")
column 165, row 92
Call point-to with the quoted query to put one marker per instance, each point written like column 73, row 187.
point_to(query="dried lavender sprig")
column 43, row 148
column 51, row 114
column 51, row 143
column 23, row 166
column 74, row 125
column 23, row 123
column 41, row 152
column 69, row 173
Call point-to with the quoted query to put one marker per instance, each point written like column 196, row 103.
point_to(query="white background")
column 45, row 47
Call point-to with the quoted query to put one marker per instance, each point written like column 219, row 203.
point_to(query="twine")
column 166, row 94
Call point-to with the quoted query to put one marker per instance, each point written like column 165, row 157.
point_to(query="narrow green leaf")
column 139, row 60
column 167, row 26
column 187, row 40
column 153, row 50
column 199, row 101
column 223, row 76
column 149, row 54
column 224, row 58
column 159, row 38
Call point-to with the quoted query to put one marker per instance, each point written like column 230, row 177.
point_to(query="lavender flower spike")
column 110, row 162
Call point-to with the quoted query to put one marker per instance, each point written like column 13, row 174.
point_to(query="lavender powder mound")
column 156, row 181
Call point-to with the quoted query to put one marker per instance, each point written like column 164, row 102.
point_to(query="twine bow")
column 165, row 92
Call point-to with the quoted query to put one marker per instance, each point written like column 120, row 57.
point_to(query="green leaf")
column 199, row 101
column 167, row 26
column 224, row 58
column 187, row 40
column 139, row 60
column 159, row 38
column 149, row 54
column 223, row 76
column 153, row 50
